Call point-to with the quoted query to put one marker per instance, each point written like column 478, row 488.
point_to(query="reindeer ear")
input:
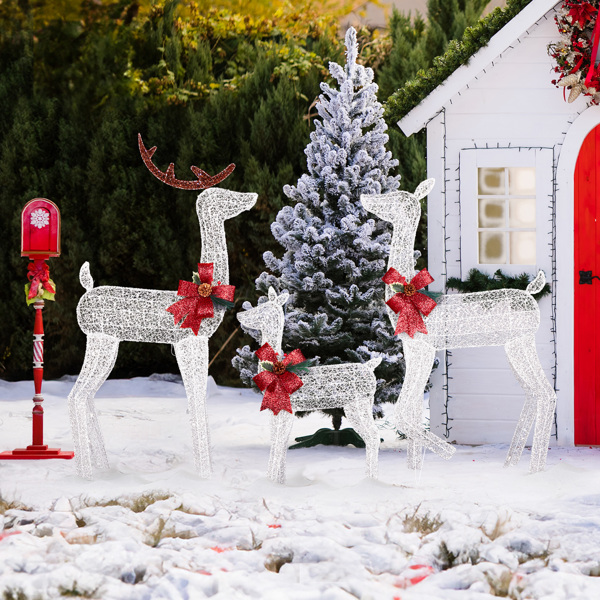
column 283, row 298
column 424, row 188
column 272, row 294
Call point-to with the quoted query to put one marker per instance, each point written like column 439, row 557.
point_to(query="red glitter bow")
column 38, row 274
column 409, row 304
column 199, row 299
column 280, row 382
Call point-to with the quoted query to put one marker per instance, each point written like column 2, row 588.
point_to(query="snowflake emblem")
column 40, row 218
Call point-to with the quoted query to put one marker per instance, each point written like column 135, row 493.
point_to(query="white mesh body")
column 144, row 312
column 503, row 317
column 349, row 386
column 458, row 319
column 110, row 314
column 336, row 386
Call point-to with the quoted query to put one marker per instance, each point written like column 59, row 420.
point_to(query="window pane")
column 492, row 213
column 522, row 248
column 522, row 212
column 492, row 248
column 491, row 181
column 521, row 181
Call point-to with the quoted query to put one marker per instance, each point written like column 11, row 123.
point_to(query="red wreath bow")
column 409, row 304
column 277, row 379
column 38, row 274
column 199, row 299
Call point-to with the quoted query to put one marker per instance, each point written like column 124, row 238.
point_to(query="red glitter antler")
column 204, row 179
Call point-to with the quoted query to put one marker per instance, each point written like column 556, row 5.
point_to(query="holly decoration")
column 279, row 378
column 40, row 286
column 408, row 302
column 200, row 297
column 575, row 53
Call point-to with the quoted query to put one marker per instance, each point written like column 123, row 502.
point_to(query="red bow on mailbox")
column 38, row 274
column 199, row 298
column 408, row 303
column 279, row 379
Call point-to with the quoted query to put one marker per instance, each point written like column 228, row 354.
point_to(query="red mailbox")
column 40, row 239
column 40, row 229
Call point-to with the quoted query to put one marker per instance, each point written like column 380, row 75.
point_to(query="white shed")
column 503, row 146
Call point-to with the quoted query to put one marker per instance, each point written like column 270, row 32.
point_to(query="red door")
column 587, row 297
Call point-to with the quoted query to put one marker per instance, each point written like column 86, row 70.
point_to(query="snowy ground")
column 150, row 528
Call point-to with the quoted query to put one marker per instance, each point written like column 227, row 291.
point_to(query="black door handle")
column 586, row 277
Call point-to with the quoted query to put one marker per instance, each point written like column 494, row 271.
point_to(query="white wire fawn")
column 350, row 386
column 109, row 315
column 503, row 317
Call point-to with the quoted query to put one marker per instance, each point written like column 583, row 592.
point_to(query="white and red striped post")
column 38, row 376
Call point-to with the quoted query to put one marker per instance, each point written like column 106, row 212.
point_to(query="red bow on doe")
column 278, row 378
column 409, row 303
column 199, row 298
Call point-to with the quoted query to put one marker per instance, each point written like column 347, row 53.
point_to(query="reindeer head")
column 398, row 207
column 267, row 314
column 221, row 204
column 224, row 204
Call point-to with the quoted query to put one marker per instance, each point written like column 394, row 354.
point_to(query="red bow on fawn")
column 199, row 298
column 279, row 379
column 408, row 303
column 39, row 275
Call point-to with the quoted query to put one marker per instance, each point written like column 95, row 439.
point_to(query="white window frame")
column 473, row 158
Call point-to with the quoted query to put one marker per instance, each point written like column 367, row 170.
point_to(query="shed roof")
column 431, row 105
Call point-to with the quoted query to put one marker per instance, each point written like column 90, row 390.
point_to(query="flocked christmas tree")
column 335, row 255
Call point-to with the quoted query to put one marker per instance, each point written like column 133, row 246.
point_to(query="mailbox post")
column 40, row 240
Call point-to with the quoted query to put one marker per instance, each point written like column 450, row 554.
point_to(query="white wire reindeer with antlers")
column 109, row 315
column 350, row 386
column 503, row 317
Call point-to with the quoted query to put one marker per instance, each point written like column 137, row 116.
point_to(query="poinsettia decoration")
column 199, row 298
column 576, row 52
column 408, row 302
column 279, row 378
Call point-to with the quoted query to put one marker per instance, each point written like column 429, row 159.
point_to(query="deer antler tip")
column 199, row 173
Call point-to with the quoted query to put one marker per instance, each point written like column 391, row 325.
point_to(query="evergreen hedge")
column 206, row 88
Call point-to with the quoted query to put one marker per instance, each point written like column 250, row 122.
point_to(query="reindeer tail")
column 85, row 278
column 373, row 363
column 537, row 284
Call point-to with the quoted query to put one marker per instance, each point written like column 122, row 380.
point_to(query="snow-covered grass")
column 150, row 528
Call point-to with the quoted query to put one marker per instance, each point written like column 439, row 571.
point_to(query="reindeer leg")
column 360, row 415
column 407, row 416
column 192, row 358
column 409, row 407
column 99, row 458
column 281, row 427
column 100, row 356
column 539, row 404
